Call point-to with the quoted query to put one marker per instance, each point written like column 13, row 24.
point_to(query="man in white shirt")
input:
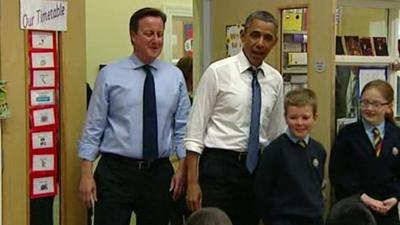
column 237, row 98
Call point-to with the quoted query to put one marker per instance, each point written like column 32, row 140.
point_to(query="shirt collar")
column 244, row 64
column 294, row 139
column 368, row 127
column 137, row 63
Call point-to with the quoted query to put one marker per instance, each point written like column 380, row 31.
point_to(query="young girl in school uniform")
column 365, row 159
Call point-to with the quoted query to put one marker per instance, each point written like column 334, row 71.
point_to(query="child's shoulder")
column 393, row 127
column 317, row 146
column 278, row 143
column 351, row 128
column 282, row 139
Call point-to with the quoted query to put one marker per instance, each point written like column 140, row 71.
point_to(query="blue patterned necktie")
column 150, row 132
column 253, row 144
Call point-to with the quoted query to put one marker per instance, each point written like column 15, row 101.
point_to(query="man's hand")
column 193, row 197
column 87, row 186
column 178, row 182
column 87, row 190
column 193, row 193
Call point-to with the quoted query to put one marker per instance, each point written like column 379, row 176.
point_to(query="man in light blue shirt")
column 136, row 120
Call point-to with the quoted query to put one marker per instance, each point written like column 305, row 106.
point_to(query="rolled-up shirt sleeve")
column 180, row 120
column 203, row 106
column 96, row 120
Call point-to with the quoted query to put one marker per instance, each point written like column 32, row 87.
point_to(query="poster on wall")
column 43, row 185
column 369, row 74
column 43, row 15
column 42, row 59
column 42, row 40
column 43, row 162
column 43, row 117
column 233, row 42
column 188, row 43
column 4, row 109
column 43, row 110
column 43, row 78
column 42, row 97
column 42, row 139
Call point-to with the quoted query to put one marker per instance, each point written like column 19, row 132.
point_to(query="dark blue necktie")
column 253, row 145
column 150, row 132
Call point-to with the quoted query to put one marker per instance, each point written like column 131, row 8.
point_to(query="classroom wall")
column 353, row 22
column 107, row 30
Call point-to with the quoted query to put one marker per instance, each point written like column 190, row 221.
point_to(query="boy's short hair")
column 350, row 211
column 301, row 97
column 209, row 216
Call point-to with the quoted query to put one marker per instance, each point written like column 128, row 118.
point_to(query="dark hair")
column 350, row 211
column 387, row 92
column 263, row 16
column 301, row 97
column 185, row 64
column 209, row 216
column 144, row 12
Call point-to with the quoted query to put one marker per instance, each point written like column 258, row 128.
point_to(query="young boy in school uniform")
column 288, row 182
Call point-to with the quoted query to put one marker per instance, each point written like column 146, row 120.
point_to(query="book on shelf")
column 380, row 46
column 298, row 79
column 287, row 86
column 339, row 46
column 366, row 46
column 297, row 58
column 292, row 20
column 292, row 47
column 352, row 45
column 305, row 24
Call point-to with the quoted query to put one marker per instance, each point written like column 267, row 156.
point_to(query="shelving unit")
column 294, row 48
column 382, row 21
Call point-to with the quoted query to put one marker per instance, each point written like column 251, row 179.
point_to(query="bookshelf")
column 294, row 48
column 379, row 22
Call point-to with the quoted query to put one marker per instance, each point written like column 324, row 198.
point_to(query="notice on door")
column 43, row 15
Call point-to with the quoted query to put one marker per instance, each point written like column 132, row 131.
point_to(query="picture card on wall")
column 42, row 59
column 43, row 78
column 42, row 97
column 369, row 74
column 43, row 186
column 233, row 42
column 43, row 117
column 43, row 162
column 42, row 139
column 43, row 40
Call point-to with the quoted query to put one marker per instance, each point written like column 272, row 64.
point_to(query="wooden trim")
column 72, row 54
column 15, row 195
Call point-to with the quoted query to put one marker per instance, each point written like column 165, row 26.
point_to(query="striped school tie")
column 377, row 141
column 302, row 143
